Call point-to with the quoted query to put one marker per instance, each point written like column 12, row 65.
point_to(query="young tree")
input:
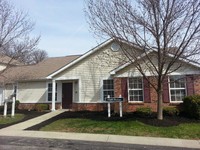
column 166, row 30
column 15, row 29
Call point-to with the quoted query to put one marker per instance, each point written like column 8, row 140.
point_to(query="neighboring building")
column 83, row 82
column 5, row 62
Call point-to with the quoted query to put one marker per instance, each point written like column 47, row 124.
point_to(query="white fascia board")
column 80, row 58
column 187, row 61
column 113, row 72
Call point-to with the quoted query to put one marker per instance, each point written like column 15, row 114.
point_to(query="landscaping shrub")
column 17, row 102
column 170, row 111
column 9, row 105
column 191, row 106
column 41, row 107
column 144, row 111
column 1, row 108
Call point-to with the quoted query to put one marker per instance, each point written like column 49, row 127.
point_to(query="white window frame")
column 56, row 92
column 103, row 90
column 136, row 90
column 176, row 88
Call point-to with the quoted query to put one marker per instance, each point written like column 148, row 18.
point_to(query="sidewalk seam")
column 108, row 138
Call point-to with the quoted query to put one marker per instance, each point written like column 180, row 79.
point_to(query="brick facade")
column 89, row 106
column 32, row 106
column 121, row 89
column 132, row 106
column 197, row 84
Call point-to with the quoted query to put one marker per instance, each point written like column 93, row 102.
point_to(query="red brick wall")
column 132, row 106
column 197, row 84
column 89, row 106
column 31, row 106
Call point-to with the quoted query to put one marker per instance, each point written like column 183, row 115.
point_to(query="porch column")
column 53, row 95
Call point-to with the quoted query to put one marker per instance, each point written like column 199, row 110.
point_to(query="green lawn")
column 124, row 127
column 9, row 119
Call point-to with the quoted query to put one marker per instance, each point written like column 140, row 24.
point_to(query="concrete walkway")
column 18, row 130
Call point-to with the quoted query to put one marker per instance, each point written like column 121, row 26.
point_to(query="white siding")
column 8, row 91
column 2, row 67
column 1, row 96
column 32, row 92
column 131, row 70
column 90, row 72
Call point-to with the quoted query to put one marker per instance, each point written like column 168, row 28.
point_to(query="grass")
column 9, row 119
column 131, row 126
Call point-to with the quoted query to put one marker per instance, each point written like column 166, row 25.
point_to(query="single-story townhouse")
column 6, row 62
column 82, row 82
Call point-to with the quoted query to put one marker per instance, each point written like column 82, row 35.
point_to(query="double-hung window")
column 108, row 88
column 177, row 88
column 135, row 89
column 50, row 92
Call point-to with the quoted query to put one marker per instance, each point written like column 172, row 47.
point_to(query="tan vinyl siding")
column 2, row 67
column 32, row 92
column 8, row 91
column 91, row 71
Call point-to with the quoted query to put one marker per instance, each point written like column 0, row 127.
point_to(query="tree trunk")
column 159, row 106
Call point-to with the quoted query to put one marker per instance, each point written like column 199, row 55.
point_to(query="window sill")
column 135, row 103
column 51, row 102
column 176, row 102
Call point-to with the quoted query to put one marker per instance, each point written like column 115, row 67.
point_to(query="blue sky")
column 61, row 24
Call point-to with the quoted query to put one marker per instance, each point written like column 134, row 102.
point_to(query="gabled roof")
column 81, row 58
column 128, row 63
column 114, row 71
column 38, row 71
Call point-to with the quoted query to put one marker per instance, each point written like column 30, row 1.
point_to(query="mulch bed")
column 102, row 116
column 28, row 115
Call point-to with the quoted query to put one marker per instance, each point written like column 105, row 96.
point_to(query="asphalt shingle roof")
column 38, row 71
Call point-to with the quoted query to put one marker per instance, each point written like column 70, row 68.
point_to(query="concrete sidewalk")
column 18, row 130
column 34, row 121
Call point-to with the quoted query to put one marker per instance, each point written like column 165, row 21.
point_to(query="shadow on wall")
column 32, row 92
column 99, row 65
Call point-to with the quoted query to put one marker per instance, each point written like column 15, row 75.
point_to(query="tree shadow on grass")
column 102, row 116
column 28, row 115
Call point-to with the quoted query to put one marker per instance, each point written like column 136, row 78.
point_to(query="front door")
column 67, row 95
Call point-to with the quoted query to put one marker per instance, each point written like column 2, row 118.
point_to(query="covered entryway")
column 67, row 95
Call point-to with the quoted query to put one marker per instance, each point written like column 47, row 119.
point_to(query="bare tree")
column 15, row 29
column 38, row 56
column 166, row 30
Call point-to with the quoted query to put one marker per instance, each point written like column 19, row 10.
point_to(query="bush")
column 1, row 108
column 191, row 106
column 144, row 111
column 41, row 107
column 9, row 105
column 170, row 111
